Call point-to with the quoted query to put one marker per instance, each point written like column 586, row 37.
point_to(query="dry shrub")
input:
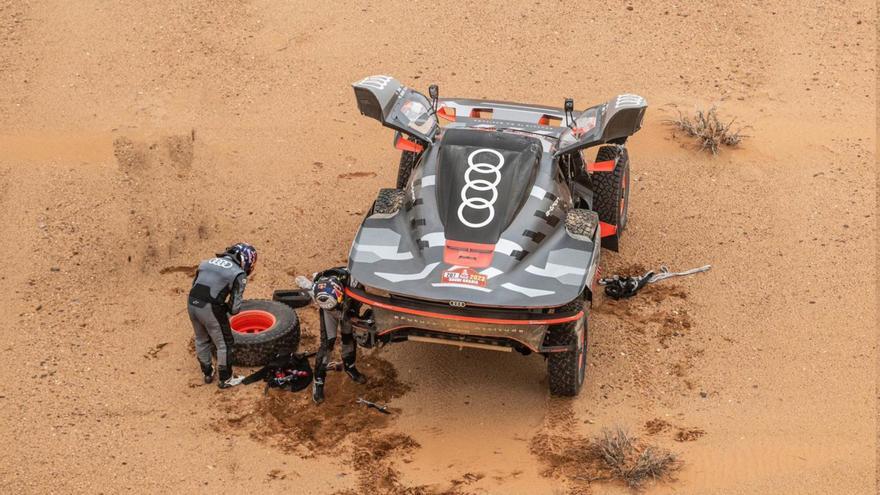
column 709, row 131
column 631, row 461
column 612, row 456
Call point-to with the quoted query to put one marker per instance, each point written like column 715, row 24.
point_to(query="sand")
column 138, row 137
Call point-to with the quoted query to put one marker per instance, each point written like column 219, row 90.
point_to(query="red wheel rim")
column 252, row 321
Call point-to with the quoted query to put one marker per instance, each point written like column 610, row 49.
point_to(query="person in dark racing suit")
column 216, row 293
column 328, row 291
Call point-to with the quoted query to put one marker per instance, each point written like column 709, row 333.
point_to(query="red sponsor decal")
column 464, row 276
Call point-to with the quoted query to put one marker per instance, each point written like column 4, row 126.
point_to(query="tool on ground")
column 381, row 409
column 618, row 287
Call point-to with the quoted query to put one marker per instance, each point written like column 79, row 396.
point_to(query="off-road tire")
column 566, row 370
column 581, row 223
column 257, row 349
column 408, row 160
column 388, row 201
column 612, row 192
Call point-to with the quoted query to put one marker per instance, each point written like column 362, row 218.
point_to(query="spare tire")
column 261, row 330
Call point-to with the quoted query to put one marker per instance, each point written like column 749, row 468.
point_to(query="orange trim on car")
column 472, row 319
column 470, row 254
column 446, row 113
column 607, row 230
column 606, row 166
column 404, row 144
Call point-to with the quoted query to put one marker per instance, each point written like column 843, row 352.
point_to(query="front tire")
column 566, row 370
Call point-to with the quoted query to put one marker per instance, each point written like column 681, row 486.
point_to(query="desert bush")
column 614, row 455
column 709, row 130
column 631, row 461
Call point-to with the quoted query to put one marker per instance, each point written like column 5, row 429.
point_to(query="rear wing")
column 387, row 100
column 614, row 120
column 465, row 110
column 394, row 105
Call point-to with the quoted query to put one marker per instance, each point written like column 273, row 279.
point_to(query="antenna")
column 434, row 93
column 569, row 108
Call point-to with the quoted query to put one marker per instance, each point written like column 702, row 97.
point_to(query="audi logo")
column 457, row 304
column 480, row 185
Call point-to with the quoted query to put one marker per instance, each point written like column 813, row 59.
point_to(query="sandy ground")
column 137, row 137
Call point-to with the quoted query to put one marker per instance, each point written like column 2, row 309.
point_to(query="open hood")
column 483, row 225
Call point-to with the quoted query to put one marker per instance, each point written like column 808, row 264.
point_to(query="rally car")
column 491, row 238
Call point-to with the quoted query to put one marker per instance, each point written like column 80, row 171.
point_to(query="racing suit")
column 217, row 280
column 330, row 328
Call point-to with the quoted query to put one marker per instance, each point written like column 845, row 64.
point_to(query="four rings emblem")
column 490, row 170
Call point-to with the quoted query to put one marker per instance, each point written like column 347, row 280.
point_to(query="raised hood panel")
column 521, row 258
column 483, row 178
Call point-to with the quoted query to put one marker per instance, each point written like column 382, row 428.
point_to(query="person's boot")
column 207, row 371
column 318, row 391
column 227, row 379
column 355, row 375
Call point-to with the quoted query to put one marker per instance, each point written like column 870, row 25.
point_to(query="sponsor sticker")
column 464, row 276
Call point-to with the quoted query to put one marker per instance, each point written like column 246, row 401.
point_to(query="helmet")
column 328, row 292
column 244, row 254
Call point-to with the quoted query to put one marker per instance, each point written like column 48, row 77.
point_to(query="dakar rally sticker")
column 464, row 276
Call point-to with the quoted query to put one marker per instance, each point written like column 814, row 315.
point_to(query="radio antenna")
column 569, row 108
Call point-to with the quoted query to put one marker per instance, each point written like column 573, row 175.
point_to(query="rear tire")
column 404, row 169
column 566, row 370
column 257, row 349
column 389, row 201
column 612, row 193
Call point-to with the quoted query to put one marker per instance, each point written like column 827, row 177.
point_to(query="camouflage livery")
column 478, row 252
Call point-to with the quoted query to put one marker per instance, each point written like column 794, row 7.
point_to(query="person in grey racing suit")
column 328, row 292
column 216, row 293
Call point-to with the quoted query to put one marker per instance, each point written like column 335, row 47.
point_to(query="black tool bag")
column 291, row 372
column 618, row 287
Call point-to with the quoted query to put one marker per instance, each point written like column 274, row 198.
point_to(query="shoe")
column 208, row 371
column 318, row 391
column 231, row 382
column 355, row 375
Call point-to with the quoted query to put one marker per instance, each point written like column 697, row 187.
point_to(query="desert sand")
column 138, row 137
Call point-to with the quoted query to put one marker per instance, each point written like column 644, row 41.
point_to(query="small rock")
column 39, row 307
column 703, row 394
column 54, row 269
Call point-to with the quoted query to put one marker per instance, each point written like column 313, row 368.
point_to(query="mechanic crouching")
column 328, row 291
column 217, row 292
